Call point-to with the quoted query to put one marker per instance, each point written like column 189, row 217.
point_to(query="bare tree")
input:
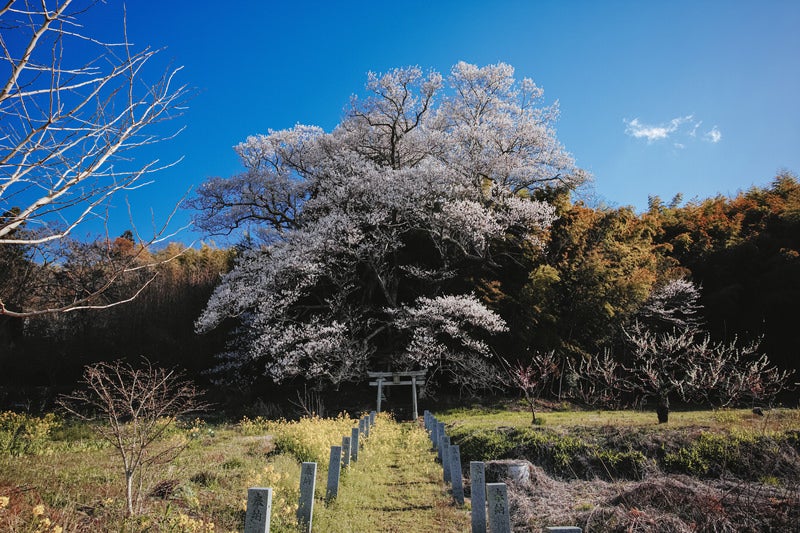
column 135, row 408
column 71, row 110
column 601, row 380
column 533, row 378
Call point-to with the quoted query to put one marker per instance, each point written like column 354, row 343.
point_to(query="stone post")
column 477, row 479
column 442, row 437
column 455, row 474
column 346, row 450
column 499, row 515
column 259, row 509
column 354, row 436
column 334, row 468
column 305, row 509
column 446, row 459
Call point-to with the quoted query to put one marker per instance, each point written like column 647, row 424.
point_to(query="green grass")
column 395, row 486
column 741, row 419
column 628, row 444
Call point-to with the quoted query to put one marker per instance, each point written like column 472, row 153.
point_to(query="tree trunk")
column 129, row 491
column 662, row 409
column 533, row 411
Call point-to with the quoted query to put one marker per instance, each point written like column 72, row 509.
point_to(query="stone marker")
column 564, row 529
column 439, row 449
column 334, row 467
column 455, row 474
column 499, row 516
column 308, row 482
column 435, row 435
column 354, row 433
column 259, row 508
column 346, row 449
column 372, row 415
column 445, row 446
column 518, row 471
column 477, row 480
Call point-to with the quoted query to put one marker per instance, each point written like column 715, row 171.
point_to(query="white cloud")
column 713, row 136
column 652, row 133
column 680, row 129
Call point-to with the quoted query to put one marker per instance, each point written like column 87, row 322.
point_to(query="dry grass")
column 749, row 484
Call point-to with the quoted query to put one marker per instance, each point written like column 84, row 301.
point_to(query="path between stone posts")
column 396, row 486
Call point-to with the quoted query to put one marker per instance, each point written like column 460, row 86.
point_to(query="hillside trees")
column 744, row 252
column 51, row 349
column 73, row 109
column 600, row 267
column 370, row 231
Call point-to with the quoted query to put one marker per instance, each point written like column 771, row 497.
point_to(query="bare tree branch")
column 67, row 127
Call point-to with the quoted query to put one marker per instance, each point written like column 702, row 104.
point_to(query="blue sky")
column 657, row 98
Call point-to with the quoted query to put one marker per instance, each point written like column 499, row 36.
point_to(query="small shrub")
column 205, row 479
column 483, row 444
column 22, row 434
column 310, row 439
column 254, row 427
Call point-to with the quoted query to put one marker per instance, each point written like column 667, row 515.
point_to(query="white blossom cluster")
column 674, row 305
column 443, row 326
column 364, row 226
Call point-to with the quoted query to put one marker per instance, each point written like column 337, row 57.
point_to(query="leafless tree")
column 601, row 380
column 71, row 110
column 135, row 408
column 533, row 378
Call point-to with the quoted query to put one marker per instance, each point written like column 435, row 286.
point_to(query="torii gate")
column 381, row 380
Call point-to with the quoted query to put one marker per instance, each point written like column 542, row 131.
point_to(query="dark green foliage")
column 745, row 456
column 563, row 456
column 601, row 265
column 614, row 454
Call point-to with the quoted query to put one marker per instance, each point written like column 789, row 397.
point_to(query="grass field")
column 606, row 471
column 71, row 482
column 723, row 419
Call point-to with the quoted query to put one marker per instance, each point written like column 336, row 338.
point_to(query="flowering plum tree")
column 368, row 233
column 676, row 304
column 688, row 364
